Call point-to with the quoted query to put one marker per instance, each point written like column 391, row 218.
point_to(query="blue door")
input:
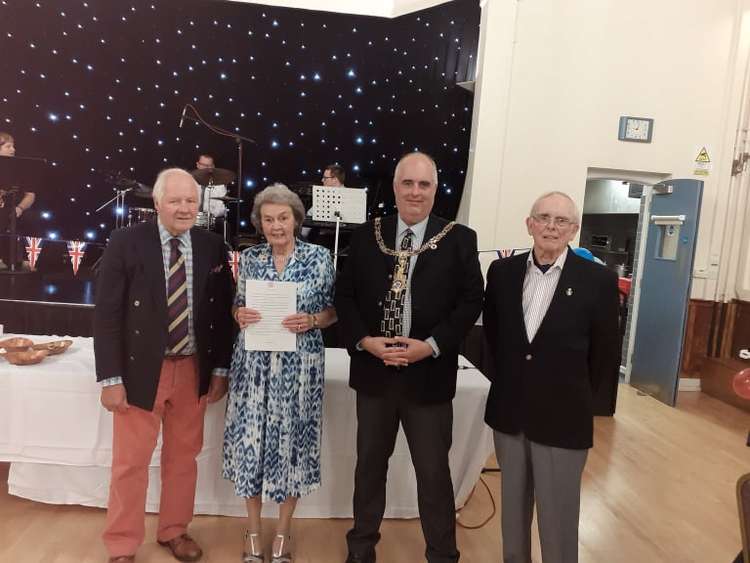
column 665, row 288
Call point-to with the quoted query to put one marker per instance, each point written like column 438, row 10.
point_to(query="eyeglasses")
column 327, row 177
column 546, row 219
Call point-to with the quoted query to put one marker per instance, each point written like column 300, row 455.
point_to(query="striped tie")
column 177, row 301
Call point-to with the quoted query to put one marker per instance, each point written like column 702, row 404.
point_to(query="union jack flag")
column 33, row 250
column 506, row 252
column 234, row 262
column 76, row 250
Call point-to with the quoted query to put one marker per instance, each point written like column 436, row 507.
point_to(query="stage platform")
column 53, row 303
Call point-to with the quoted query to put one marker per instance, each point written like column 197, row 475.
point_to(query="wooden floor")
column 658, row 486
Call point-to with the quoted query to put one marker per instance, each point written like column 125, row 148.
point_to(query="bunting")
column 33, row 250
column 76, row 250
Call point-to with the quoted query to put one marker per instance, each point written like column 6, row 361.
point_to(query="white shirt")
column 417, row 237
column 538, row 289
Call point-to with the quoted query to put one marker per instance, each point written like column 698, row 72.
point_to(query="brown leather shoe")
column 183, row 548
column 122, row 559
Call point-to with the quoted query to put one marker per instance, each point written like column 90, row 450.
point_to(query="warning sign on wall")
column 702, row 163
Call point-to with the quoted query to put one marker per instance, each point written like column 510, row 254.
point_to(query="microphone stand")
column 119, row 200
column 238, row 139
column 11, row 203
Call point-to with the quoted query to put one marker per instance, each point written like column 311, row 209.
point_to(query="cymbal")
column 302, row 189
column 124, row 183
column 141, row 190
column 227, row 199
column 215, row 176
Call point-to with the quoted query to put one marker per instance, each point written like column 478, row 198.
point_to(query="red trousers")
column 179, row 412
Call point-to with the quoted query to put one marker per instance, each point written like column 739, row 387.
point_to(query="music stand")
column 18, row 171
column 339, row 205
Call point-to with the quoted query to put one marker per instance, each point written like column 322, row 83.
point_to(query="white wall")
column 556, row 76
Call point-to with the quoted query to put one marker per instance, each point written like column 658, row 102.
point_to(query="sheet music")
column 275, row 301
column 349, row 203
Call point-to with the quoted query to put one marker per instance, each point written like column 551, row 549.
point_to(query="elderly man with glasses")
column 551, row 321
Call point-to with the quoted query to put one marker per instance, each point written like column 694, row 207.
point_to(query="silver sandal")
column 284, row 553
column 250, row 552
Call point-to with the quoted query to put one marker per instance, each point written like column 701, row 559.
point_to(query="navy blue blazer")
column 130, row 316
column 544, row 388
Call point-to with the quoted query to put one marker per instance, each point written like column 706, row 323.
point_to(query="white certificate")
column 274, row 301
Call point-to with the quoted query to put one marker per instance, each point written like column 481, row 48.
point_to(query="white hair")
column 397, row 171
column 161, row 182
column 576, row 219
column 279, row 194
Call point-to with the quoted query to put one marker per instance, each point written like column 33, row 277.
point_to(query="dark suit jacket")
column 446, row 298
column 130, row 317
column 544, row 388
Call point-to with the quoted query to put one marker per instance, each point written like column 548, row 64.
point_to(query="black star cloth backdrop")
column 99, row 86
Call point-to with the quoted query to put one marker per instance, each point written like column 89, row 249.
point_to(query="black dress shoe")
column 358, row 558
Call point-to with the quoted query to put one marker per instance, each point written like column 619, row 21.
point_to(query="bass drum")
column 140, row 215
column 203, row 220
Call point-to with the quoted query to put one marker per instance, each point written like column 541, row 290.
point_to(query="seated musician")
column 214, row 207
column 334, row 176
column 23, row 201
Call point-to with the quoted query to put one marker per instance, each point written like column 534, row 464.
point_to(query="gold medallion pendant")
column 399, row 277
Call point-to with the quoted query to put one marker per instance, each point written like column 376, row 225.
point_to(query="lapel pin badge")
column 569, row 291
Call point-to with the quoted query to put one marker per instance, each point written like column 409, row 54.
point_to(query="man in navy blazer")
column 162, row 344
column 404, row 359
column 551, row 323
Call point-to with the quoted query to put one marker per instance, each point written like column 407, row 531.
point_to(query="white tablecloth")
column 59, row 440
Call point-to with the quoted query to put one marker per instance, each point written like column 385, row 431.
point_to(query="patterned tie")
column 393, row 306
column 177, row 302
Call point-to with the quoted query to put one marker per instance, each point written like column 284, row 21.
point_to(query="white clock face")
column 637, row 129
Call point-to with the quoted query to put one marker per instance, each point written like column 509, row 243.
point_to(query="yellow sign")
column 702, row 156
column 702, row 163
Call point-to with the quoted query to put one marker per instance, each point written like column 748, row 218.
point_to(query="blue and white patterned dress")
column 273, row 420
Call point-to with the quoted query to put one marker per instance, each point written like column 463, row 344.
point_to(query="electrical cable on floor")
column 492, row 500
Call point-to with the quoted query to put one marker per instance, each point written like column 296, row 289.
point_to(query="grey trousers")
column 552, row 477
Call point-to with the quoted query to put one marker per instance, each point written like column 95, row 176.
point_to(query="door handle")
column 668, row 219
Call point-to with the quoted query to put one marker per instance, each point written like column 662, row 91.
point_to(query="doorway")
column 612, row 222
column 644, row 227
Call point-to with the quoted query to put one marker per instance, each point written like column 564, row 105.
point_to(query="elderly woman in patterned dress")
column 273, row 421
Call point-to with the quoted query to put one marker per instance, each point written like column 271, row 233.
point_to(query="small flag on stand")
column 76, row 250
column 234, row 262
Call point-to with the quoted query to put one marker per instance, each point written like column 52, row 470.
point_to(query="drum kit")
column 207, row 178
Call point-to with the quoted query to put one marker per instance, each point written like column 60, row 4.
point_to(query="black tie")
column 393, row 305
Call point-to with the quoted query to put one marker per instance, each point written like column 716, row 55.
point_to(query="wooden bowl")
column 26, row 357
column 54, row 347
column 16, row 343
